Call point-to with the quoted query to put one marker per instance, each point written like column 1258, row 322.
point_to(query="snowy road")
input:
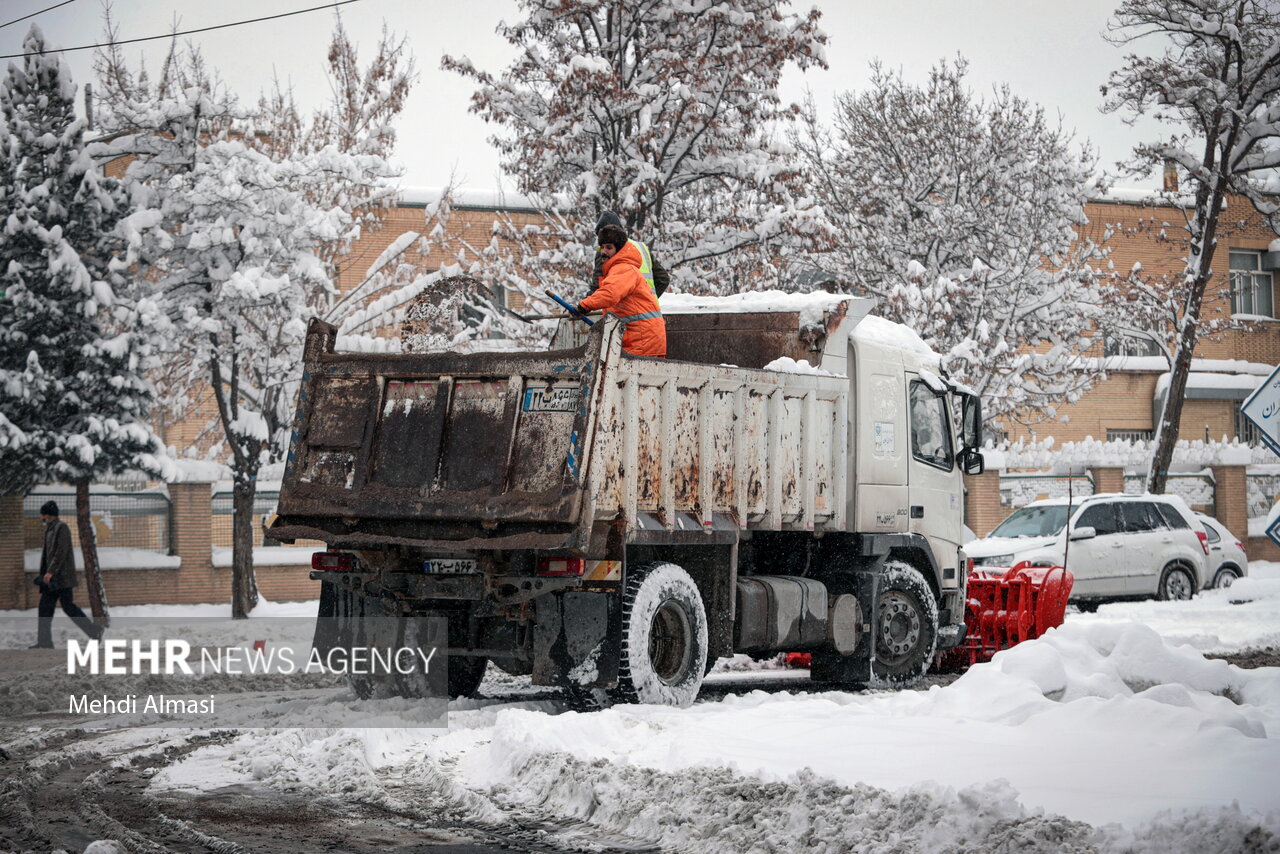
column 1115, row 733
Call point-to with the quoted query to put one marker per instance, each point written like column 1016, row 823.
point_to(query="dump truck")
column 789, row 478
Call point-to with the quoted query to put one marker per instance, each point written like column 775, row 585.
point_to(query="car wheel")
column 664, row 637
column 1176, row 584
column 1225, row 577
column 906, row 626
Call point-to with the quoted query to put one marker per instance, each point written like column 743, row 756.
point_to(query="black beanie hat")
column 609, row 218
column 615, row 234
column 49, row 508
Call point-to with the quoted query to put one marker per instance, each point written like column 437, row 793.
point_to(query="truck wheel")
column 664, row 637
column 906, row 626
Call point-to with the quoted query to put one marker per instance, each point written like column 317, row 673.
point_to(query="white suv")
column 1120, row 546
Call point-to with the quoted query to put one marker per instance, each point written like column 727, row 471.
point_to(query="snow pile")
column 1120, row 453
column 787, row 365
column 1099, row 737
column 810, row 306
column 1243, row 616
column 112, row 557
column 269, row 556
column 1218, row 382
column 1161, row 364
column 1080, row 723
column 197, row 471
column 877, row 330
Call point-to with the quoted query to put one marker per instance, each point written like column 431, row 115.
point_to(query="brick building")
column 1228, row 366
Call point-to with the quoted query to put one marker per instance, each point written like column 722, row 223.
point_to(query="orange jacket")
column 626, row 293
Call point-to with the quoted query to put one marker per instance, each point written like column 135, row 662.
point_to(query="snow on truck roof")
column 810, row 307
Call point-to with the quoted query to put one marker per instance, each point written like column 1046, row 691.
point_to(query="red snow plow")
column 1003, row 606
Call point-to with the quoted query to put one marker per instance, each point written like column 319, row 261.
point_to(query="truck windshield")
column 1033, row 522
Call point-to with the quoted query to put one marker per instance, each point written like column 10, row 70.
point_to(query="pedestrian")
column 57, row 579
column 625, row 292
column 654, row 273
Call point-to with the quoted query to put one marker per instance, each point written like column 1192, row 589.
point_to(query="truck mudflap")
column 575, row 640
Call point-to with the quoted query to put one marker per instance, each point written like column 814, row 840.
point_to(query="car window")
column 1138, row 517
column 1100, row 517
column 1172, row 518
column 1043, row 521
column 930, row 432
column 1211, row 531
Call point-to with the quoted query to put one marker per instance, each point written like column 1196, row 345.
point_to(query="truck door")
column 933, row 478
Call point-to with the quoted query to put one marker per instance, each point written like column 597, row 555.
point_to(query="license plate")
column 449, row 566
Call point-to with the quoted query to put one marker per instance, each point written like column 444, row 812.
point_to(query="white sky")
column 1052, row 53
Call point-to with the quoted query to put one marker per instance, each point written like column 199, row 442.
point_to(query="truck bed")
column 531, row 450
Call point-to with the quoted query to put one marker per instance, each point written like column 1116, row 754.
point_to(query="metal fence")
column 1019, row 490
column 137, row 519
column 1263, row 490
column 1195, row 489
column 264, row 505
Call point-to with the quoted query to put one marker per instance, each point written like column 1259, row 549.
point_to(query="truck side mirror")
column 971, row 423
column 1085, row 533
column 972, row 462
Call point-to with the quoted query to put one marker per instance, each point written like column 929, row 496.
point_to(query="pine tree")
column 74, row 401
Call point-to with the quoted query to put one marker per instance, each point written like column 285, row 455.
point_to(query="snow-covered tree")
column 74, row 401
column 465, row 308
column 667, row 112
column 958, row 213
column 1216, row 83
column 358, row 120
column 229, row 245
column 1146, row 310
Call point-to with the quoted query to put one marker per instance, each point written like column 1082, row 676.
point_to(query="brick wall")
column 1231, row 499
column 197, row 580
column 982, row 507
column 13, row 581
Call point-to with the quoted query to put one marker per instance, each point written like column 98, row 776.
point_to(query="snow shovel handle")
column 573, row 310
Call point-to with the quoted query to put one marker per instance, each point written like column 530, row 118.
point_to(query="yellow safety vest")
column 646, row 265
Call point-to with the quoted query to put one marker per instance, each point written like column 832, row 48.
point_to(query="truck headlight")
column 994, row 560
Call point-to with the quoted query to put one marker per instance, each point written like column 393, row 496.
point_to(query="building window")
column 1251, row 291
column 1128, row 344
column 1127, row 435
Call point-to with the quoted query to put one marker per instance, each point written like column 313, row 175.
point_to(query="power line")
column 333, row 5
column 33, row 14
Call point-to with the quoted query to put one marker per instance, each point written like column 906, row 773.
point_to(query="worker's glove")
column 582, row 311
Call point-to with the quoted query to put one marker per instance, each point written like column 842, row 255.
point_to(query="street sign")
column 1263, row 409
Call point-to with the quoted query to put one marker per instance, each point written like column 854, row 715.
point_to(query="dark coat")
column 57, row 557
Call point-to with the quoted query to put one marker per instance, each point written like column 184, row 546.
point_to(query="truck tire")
column 906, row 627
column 663, row 653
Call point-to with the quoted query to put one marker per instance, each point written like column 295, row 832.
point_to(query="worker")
column 654, row 273
column 626, row 293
